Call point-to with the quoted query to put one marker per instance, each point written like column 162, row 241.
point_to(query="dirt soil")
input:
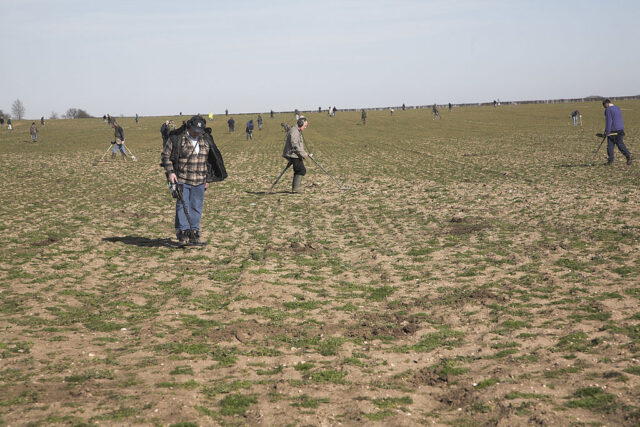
column 477, row 272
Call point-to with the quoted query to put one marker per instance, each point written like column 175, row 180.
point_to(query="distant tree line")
column 76, row 113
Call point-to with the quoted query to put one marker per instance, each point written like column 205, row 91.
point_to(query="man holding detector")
column 294, row 152
column 191, row 161
column 614, row 131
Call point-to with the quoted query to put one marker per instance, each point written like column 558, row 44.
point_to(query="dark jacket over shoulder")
column 215, row 165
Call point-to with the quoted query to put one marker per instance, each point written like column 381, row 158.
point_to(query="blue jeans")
column 193, row 197
column 34, row 137
column 119, row 147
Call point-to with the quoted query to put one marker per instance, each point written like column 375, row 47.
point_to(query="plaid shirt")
column 192, row 167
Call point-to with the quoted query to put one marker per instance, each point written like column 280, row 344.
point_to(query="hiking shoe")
column 629, row 160
column 183, row 238
column 194, row 238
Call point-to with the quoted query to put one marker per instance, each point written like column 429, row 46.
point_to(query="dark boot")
column 194, row 239
column 183, row 238
column 113, row 156
column 629, row 160
column 297, row 184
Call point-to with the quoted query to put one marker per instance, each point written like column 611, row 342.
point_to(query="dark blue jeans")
column 193, row 197
column 613, row 140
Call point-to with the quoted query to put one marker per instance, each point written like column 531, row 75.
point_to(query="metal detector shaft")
column 184, row 206
column 106, row 152
column 280, row 176
column 598, row 149
column 325, row 171
column 133, row 157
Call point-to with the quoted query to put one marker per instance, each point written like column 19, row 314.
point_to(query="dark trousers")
column 298, row 167
column 613, row 140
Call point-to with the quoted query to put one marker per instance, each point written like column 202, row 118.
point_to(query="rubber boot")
column 629, row 160
column 297, row 183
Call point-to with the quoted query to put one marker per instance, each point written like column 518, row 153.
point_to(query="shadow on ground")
column 142, row 241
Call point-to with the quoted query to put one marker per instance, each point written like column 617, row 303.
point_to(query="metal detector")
column 130, row 153
column 325, row 171
column 604, row 137
column 280, row 176
column 106, row 152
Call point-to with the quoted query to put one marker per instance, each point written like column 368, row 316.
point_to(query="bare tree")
column 53, row 115
column 76, row 113
column 70, row 114
column 17, row 108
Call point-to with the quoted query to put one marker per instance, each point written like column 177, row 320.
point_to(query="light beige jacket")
column 294, row 147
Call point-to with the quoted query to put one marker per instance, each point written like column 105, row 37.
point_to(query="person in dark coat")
column 249, row 130
column 232, row 125
column 191, row 160
column 118, row 144
column 164, row 131
column 614, row 130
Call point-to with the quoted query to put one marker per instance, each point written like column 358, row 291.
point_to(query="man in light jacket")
column 294, row 152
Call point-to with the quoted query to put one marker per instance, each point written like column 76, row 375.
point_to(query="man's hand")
column 173, row 178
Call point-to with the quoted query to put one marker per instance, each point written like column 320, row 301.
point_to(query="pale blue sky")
column 162, row 57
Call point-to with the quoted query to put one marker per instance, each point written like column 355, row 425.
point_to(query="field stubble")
column 477, row 272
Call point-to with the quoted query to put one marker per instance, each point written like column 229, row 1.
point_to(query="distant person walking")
column 364, row 117
column 249, row 130
column 33, row 130
column 42, row 120
column 271, row 113
column 297, row 113
column 294, row 152
column 403, row 106
column 436, row 113
column 118, row 144
column 450, row 107
column 614, row 130
column 9, row 124
column 259, row 122
column 226, row 112
column 137, row 118
column 391, row 110
column 575, row 115
column 1, row 122
column 164, row 131
column 232, row 125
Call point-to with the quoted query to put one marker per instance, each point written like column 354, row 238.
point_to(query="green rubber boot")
column 297, row 184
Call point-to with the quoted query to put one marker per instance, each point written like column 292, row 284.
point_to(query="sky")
column 158, row 57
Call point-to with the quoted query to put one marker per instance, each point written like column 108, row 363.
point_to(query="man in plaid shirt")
column 185, row 160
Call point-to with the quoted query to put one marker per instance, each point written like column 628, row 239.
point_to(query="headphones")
column 301, row 121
